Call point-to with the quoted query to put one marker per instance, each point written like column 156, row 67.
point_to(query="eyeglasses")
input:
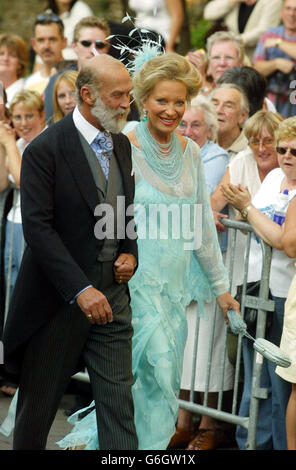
column 227, row 58
column 284, row 150
column 266, row 142
column 98, row 44
column 193, row 126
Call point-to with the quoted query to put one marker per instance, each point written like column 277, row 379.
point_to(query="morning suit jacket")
column 58, row 199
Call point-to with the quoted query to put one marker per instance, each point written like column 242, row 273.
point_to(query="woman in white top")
column 288, row 340
column 261, row 212
column 27, row 116
column 248, row 168
column 14, row 58
column 165, row 17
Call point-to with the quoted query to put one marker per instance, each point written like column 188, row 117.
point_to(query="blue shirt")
column 215, row 160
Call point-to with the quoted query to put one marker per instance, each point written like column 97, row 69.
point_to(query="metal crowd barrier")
column 261, row 303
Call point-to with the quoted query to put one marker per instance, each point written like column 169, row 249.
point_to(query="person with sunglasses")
column 70, row 12
column 259, row 211
column 288, row 339
column 48, row 42
column 90, row 33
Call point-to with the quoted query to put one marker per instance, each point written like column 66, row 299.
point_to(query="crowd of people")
column 215, row 128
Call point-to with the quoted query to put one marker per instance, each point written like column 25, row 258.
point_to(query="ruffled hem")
column 84, row 432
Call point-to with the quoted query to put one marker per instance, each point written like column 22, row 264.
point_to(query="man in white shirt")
column 48, row 42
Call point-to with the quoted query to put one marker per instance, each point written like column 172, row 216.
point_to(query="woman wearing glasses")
column 288, row 341
column 260, row 212
column 248, row 168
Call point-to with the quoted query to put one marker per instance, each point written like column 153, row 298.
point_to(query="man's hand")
column 95, row 306
column 227, row 302
column 124, row 267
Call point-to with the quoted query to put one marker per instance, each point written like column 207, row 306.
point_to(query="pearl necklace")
column 166, row 160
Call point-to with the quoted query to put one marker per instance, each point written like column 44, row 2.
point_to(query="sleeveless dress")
column 170, row 274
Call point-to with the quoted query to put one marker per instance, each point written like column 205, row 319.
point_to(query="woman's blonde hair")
column 170, row 66
column 286, row 129
column 69, row 76
column 18, row 46
column 262, row 119
column 29, row 98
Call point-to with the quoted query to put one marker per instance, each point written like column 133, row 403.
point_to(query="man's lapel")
column 125, row 165
column 74, row 155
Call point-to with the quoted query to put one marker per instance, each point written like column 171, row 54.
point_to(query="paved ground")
column 60, row 425
column 59, row 429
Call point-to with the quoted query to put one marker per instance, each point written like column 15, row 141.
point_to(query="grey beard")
column 107, row 118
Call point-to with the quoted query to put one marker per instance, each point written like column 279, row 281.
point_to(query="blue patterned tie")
column 102, row 145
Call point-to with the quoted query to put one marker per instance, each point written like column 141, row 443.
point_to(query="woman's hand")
column 238, row 196
column 7, row 134
column 227, row 302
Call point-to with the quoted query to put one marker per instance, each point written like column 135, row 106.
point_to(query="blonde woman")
column 64, row 94
column 288, row 340
column 260, row 212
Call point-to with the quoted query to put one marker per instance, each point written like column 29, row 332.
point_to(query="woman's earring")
column 145, row 118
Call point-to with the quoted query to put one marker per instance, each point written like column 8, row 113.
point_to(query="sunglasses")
column 98, row 44
column 283, row 151
column 48, row 17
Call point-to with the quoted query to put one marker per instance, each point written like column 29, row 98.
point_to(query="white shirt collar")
column 88, row 131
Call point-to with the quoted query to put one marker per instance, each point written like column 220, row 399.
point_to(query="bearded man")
column 71, row 299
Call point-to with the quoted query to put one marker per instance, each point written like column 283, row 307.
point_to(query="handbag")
column 250, row 313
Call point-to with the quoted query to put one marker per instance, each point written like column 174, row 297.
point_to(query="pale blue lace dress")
column 170, row 274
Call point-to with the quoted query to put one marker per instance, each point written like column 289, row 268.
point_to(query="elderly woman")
column 201, row 125
column 288, row 340
column 248, row 168
column 14, row 58
column 64, row 94
column 260, row 212
column 289, row 337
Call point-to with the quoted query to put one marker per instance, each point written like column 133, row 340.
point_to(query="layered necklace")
column 166, row 160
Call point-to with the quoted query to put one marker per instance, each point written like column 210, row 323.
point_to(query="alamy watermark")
column 156, row 221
